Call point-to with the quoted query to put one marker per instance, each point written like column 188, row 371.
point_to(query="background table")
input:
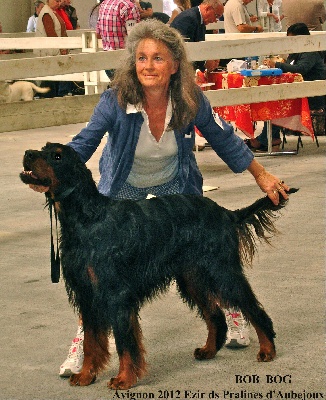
column 293, row 114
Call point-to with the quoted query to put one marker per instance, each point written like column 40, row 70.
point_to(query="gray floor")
column 37, row 324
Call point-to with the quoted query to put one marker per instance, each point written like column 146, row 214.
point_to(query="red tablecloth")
column 292, row 113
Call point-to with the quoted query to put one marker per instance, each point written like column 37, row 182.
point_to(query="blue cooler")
column 261, row 72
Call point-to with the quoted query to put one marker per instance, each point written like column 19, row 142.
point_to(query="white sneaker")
column 74, row 362
column 238, row 329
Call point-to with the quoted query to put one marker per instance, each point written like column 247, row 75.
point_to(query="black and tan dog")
column 117, row 254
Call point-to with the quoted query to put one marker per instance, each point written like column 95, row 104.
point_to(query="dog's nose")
column 30, row 154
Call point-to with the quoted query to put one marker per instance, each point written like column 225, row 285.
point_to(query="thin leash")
column 55, row 256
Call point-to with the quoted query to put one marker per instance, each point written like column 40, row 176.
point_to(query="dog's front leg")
column 96, row 357
column 128, row 338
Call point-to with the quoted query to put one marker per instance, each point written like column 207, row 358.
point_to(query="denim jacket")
column 123, row 133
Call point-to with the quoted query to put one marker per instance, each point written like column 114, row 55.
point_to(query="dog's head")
column 56, row 166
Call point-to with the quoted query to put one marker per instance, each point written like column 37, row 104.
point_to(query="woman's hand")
column 268, row 183
column 272, row 186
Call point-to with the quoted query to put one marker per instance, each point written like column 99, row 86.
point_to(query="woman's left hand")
column 272, row 186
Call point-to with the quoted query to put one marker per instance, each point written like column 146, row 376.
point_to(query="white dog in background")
column 19, row 91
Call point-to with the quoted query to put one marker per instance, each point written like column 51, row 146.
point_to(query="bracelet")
column 255, row 30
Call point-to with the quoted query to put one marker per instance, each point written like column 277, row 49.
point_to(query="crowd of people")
column 155, row 99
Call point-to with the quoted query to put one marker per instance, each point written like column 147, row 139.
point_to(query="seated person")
column 311, row 66
column 146, row 11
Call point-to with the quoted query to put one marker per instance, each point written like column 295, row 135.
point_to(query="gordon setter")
column 118, row 254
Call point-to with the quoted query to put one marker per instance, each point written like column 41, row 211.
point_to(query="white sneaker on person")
column 74, row 362
column 238, row 329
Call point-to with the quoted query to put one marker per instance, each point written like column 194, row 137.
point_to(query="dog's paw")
column 264, row 356
column 82, row 379
column 204, row 353
column 120, row 383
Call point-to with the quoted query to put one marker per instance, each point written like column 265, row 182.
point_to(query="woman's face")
column 154, row 64
column 54, row 4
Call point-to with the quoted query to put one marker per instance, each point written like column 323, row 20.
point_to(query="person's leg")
column 262, row 138
column 64, row 88
column 74, row 361
column 261, row 141
column 238, row 329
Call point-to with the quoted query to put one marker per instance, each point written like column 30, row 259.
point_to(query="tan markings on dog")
column 43, row 170
column 267, row 349
column 92, row 275
column 127, row 376
column 96, row 358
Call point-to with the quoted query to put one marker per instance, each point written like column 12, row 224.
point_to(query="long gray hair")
column 184, row 91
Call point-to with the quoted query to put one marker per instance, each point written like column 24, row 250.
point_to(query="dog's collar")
column 64, row 194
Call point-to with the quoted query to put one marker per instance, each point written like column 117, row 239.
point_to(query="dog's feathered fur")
column 117, row 254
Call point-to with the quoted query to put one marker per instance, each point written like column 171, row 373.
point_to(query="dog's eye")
column 57, row 156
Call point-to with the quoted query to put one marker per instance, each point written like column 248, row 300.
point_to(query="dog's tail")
column 40, row 89
column 257, row 221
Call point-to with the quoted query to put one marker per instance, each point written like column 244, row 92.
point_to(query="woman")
column 50, row 24
column 150, row 112
column 311, row 66
column 271, row 9
column 181, row 5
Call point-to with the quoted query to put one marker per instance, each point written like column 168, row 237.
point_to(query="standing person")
column 115, row 21
column 50, row 24
column 310, row 12
column 149, row 113
column 93, row 15
column 271, row 9
column 65, row 88
column 32, row 21
column 237, row 18
column 61, row 11
column 181, row 5
column 72, row 13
